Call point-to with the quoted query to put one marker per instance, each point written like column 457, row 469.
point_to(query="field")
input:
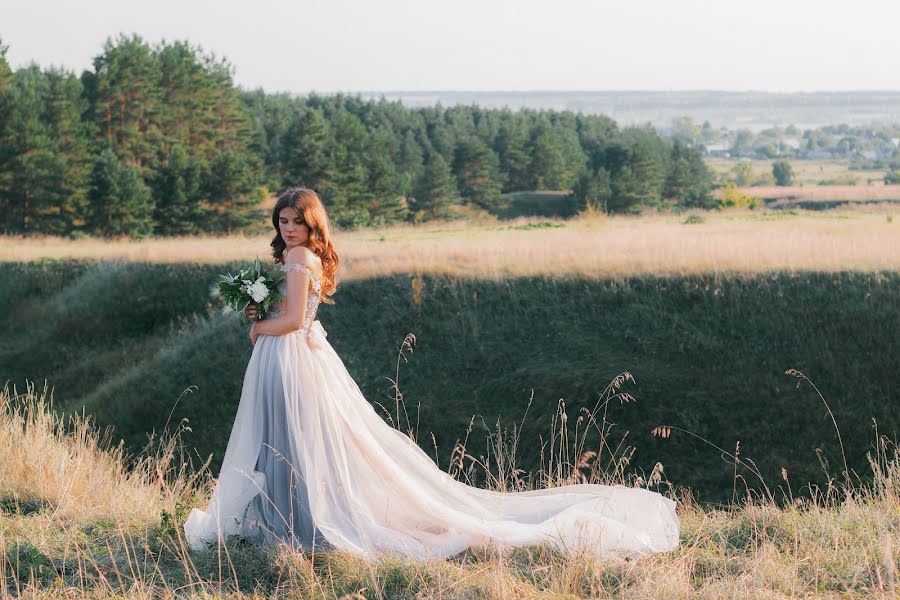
column 817, row 185
column 708, row 310
column 846, row 193
column 726, row 241
column 806, row 172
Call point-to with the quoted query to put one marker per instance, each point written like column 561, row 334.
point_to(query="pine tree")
column 233, row 189
column 439, row 133
column 575, row 160
column 227, row 121
column 547, row 167
column 435, row 190
column 593, row 191
column 596, row 134
column 185, row 91
column 411, row 161
column 627, row 192
column 512, row 150
column 72, row 138
column 29, row 163
column 5, row 71
column 648, row 162
column 308, row 152
column 6, row 133
column 178, row 193
column 269, row 118
column 129, row 101
column 477, row 170
column 679, row 181
column 388, row 205
column 120, row 202
column 348, row 195
column 136, row 205
column 43, row 152
column 104, row 194
column 689, row 181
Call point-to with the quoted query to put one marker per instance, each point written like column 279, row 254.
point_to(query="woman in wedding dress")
column 310, row 463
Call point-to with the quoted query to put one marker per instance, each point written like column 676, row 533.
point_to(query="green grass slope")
column 123, row 341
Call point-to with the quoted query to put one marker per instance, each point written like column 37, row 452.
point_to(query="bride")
column 310, row 463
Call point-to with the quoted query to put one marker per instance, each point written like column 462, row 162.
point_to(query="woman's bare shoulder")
column 304, row 256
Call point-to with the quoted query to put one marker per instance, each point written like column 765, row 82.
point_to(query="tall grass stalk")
column 80, row 519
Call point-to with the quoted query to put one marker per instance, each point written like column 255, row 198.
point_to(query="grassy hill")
column 77, row 522
column 123, row 341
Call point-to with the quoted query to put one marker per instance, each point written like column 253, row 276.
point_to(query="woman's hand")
column 312, row 343
column 250, row 312
column 253, row 334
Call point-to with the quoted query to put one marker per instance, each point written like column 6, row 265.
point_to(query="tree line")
column 158, row 140
column 875, row 146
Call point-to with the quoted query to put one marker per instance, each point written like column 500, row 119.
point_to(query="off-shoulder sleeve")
column 292, row 266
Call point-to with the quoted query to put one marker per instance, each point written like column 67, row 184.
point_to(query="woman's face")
column 293, row 230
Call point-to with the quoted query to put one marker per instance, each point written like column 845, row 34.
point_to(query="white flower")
column 246, row 285
column 258, row 291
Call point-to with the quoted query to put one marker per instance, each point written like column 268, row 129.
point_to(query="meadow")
column 807, row 173
column 601, row 246
column 80, row 519
column 699, row 317
column 816, row 185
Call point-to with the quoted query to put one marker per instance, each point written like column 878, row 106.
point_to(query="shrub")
column 782, row 172
column 732, row 196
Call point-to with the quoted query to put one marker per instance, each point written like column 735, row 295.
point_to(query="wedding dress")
column 312, row 464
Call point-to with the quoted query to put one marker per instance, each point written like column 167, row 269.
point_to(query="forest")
column 159, row 140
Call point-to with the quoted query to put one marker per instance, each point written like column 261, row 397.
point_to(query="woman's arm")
column 280, row 325
column 291, row 319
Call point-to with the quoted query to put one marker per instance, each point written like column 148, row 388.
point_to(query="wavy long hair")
column 312, row 211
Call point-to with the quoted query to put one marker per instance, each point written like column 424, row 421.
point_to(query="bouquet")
column 253, row 284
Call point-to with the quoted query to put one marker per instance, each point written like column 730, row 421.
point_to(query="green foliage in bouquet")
column 253, row 284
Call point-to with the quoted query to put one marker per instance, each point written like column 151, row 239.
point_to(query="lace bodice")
column 312, row 298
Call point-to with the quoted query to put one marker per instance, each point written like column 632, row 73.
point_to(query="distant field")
column 827, row 192
column 806, row 172
column 745, row 241
column 827, row 195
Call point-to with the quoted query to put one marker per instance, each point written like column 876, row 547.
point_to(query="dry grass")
column 743, row 241
column 99, row 530
column 75, row 473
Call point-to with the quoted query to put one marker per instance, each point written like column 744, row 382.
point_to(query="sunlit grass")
column 727, row 241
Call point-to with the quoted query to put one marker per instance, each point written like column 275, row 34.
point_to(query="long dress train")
column 310, row 463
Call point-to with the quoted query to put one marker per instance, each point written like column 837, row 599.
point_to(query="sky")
column 334, row 46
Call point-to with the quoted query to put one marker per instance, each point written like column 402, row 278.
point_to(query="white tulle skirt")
column 365, row 487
